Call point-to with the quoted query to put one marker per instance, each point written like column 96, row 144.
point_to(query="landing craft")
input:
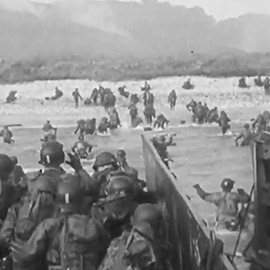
column 194, row 245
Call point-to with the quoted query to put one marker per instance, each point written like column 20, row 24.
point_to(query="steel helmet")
column 121, row 153
column 133, row 173
column 103, row 159
column 149, row 213
column 69, row 192
column 52, row 153
column 227, row 184
column 46, row 184
column 6, row 166
column 120, row 183
column 246, row 125
column 14, row 159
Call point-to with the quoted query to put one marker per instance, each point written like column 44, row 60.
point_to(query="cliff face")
column 113, row 29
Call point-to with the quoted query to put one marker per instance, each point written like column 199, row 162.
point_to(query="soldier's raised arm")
column 209, row 197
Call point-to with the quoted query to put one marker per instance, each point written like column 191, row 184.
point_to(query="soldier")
column 161, row 121
column 48, row 129
column 116, row 209
column 224, row 122
column 76, row 95
column 139, row 247
column 18, row 177
column 226, row 202
column 242, row 83
column 81, row 128
column 103, row 125
column 70, row 240
column 122, row 160
column 104, row 163
column 161, row 146
column 114, row 121
column 246, row 135
column 187, row 85
column 7, row 135
column 172, row 99
column 142, row 196
column 151, row 214
column 9, row 194
column 82, row 149
column 52, row 157
column 24, row 217
column 94, row 96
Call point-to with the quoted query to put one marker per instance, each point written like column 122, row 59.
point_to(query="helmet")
column 52, row 153
column 133, row 173
column 145, row 229
column 14, row 159
column 46, row 184
column 246, row 125
column 69, row 192
column 162, row 138
column 6, row 166
column 121, row 153
column 103, row 159
column 120, row 183
column 149, row 213
column 227, row 183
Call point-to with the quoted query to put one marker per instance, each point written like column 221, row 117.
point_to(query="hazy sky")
column 220, row 9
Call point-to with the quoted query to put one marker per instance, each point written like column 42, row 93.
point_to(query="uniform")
column 24, row 217
column 70, row 240
column 226, row 202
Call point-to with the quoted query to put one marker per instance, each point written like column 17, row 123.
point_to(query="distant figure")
column 212, row 116
column 82, row 149
column 149, row 113
column 191, row 106
column 114, row 120
column 18, row 177
column 80, row 127
column 187, row 85
column 94, row 96
column 134, row 99
column 224, row 122
column 161, row 145
column 148, row 98
column 11, row 97
column 161, row 121
column 146, row 86
column 57, row 94
column 103, row 125
column 246, row 135
column 242, row 83
column 48, row 130
column 7, row 135
column 172, row 99
column 258, row 81
column 226, row 202
column 122, row 91
column 266, row 85
column 76, row 95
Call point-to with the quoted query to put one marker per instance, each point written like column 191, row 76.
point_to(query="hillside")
column 125, row 39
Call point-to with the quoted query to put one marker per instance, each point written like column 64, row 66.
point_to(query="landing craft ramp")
column 188, row 235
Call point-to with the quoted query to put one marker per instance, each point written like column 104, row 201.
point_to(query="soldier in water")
column 7, row 135
column 18, row 177
column 76, row 95
column 48, row 130
column 226, row 201
column 246, row 135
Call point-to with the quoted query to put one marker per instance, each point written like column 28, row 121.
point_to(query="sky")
column 220, row 9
